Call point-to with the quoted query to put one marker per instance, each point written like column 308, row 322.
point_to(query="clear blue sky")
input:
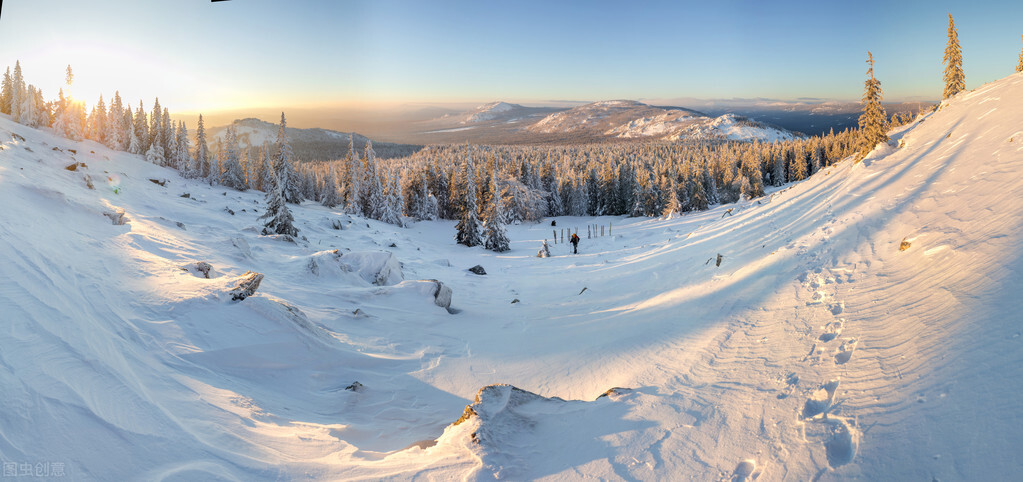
column 198, row 55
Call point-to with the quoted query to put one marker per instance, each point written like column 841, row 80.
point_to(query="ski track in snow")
column 818, row 349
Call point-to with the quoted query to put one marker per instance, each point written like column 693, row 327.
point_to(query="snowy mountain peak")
column 491, row 111
column 628, row 119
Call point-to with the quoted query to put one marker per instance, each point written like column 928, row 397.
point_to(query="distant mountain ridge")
column 626, row 120
column 314, row 144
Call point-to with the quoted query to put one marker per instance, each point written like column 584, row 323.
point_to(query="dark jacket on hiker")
column 575, row 243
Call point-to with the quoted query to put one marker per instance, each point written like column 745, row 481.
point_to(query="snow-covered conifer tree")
column 1019, row 66
column 128, row 127
column 155, row 132
column 17, row 92
column 797, row 165
column 140, row 143
column 117, row 138
column 751, row 171
column 955, row 80
column 468, row 227
column 278, row 217
column 202, row 152
column 30, row 109
column 331, row 195
column 155, row 154
column 495, row 238
column 167, row 136
column 233, row 176
column 390, row 212
column 267, row 166
column 7, row 90
column 673, row 206
column 373, row 187
column 183, row 161
column 354, row 182
column 873, row 120
column 287, row 177
column 98, row 122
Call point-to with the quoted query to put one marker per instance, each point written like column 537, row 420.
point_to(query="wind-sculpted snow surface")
column 861, row 324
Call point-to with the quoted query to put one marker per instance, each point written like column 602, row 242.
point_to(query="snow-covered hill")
column 630, row 119
column 491, row 111
column 313, row 144
column 860, row 324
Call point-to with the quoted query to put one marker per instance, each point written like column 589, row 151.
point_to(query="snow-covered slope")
column 628, row 119
column 789, row 338
column 490, row 111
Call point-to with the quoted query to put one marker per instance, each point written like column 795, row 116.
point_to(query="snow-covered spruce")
column 873, row 121
column 278, row 217
column 468, row 227
column 495, row 238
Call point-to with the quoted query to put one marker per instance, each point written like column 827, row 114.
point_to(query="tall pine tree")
column 495, row 238
column 1019, row 66
column 468, row 227
column 955, row 80
column 353, row 184
column 7, row 89
column 331, row 195
column 372, row 187
column 17, row 92
column 233, row 176
column 183, row 160
column 118, row 136
column 203, row 163
column 282, row 167
column 873, row 120
column 278, row 217
column 140, row 141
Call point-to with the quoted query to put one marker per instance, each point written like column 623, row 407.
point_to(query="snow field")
column 816, row 348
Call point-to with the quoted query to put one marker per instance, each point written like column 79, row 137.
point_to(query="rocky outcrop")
column 248, row 283
column 200, row 269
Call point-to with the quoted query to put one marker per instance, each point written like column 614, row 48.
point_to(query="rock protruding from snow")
column 442, row 294
column 381, row 268
column 494, row 406
column 248, row 283
column 478, row 270
column 116, row 216
column 614, row 392
column 200, row 269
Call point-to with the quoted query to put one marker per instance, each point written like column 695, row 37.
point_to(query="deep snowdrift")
column 818, row 347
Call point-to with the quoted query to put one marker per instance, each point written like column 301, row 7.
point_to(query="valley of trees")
column 483, row 187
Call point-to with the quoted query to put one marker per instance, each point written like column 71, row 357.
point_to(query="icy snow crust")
column 817, row 348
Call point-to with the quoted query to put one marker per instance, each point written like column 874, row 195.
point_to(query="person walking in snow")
column 575, row 243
